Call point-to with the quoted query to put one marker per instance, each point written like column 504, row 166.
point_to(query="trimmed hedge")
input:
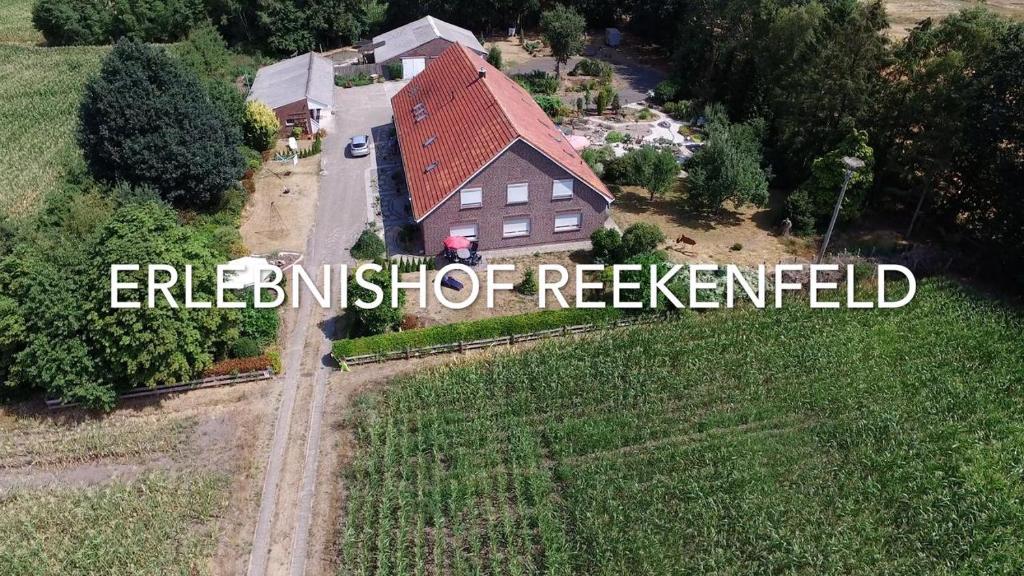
column 468, row 331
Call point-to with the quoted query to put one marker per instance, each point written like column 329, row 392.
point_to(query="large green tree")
column 728, row 167
column 563, row 29
column 812, row 204
column 146, row 120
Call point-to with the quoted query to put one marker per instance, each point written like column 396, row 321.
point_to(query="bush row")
column 238, row 366
column 469, row 331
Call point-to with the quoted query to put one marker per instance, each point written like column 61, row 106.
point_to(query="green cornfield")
column 16, row 23
column 743, row 442
column 39, row 99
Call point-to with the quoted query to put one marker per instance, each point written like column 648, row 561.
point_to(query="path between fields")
column 281, row 537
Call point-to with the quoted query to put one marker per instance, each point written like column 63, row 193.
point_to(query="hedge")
column 238, row 366
column 469, row 331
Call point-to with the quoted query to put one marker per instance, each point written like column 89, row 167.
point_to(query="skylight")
column 419, row 111
column 430, row 167
column 429, row 141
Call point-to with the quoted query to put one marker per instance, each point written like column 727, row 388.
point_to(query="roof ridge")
column 433, row 25
column 309, row 73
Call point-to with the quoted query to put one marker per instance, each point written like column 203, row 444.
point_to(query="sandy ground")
column 751, row 227
column 905, row 14
column 227, row 434
column 281, row 212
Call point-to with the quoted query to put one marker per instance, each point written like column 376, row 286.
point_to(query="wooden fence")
column 410, row 353
column 211, row 382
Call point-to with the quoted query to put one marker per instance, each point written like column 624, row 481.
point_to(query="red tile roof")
column 451, row 123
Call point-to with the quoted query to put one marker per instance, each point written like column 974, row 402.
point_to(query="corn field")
column 16, row 23
column 783, row 441
column 39, row 99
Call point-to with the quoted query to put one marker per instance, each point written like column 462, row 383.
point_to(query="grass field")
column 905, row 14
column 39, row 99
column 154, row 525
column 792, row 441
column 16, row 23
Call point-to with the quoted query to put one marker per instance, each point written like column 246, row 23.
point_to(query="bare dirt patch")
column 745, row 236
column 281, row 211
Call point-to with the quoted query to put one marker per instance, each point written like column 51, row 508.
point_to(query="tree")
column 72, row 343
column 605, row 243
column 601, row 102
column 650, row 167
column 728, row 166
column 640, row 238
column 494, row 56
column 261, row 126
column 146, row 120
column 563, row 29
column 383, row 318
column 72, row 22
column 827, row 176
column 616, row 103
column 205, row 53
column 68, row 22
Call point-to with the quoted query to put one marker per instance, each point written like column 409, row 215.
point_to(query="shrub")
column 234, row 366
column 297, row 132
column 644, row 114
column 736, row 247
column 495, row 327
column 369, row 245
column 245, row 348
column 313, row 150
column 358, row 79
column 258, row 324
column 800, row 211
column 69, row 22
column 538, row 82
column 383, row 318
column 260, row 126
column 528, row 286
column 551, row 105
column 598, row 158
column 393, row 71
column 253, row 159
column 639, row 238
column 591, row 67
column 680, row 110
column 494, row 57
column 606, row 243
column 614, row 137
column 616, row 103
column 666, row 91
column 65, row 23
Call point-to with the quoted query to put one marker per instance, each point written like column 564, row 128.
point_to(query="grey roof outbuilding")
column 404, row 38
column 309, row 76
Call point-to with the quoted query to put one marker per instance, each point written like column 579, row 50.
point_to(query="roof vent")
column 429, row 141
column 430, row 167
column 482, row 72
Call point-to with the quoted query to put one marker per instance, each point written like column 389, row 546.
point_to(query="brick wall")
column 520, row 163
column 297, row 111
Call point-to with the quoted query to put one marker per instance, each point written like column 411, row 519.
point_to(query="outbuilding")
column 299, row 90
column 418, row 43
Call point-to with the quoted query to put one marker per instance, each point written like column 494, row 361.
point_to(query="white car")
column 359, row 146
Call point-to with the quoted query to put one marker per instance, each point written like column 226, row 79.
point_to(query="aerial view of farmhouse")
column 381, row 287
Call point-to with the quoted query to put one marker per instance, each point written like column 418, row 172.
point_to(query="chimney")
column 483, row 73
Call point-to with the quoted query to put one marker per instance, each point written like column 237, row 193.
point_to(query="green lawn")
column 16, row 23
column 749, row 442
column 39, row 99
column 155, row 525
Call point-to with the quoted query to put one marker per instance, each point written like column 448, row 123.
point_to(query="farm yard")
column 741, row 442
column 38, row 104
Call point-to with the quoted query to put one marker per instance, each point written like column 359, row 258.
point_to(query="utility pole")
column 852, row 164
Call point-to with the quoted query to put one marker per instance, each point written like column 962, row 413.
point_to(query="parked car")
column 359, row 146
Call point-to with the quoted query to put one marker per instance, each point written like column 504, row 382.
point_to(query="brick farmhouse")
column 483, row 160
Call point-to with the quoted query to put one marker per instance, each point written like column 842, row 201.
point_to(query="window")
column 289, row 122
column 465, row 230
column 471, row 198
column 568, row 221
column 514, row 227
column 561, row 190
column 518, row 193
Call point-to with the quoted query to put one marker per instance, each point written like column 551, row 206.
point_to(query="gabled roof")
column 451, row 123
column 306, row 76
column 405, row 38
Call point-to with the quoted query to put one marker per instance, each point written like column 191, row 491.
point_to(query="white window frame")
column 289, row 122
column 452, row 230
column 579, row 221
column 463, row 204
column 561, row 185
column 516, row 219
column 508, row 193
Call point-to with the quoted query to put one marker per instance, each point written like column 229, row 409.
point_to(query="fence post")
column 407, row 354
column 462, row 347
